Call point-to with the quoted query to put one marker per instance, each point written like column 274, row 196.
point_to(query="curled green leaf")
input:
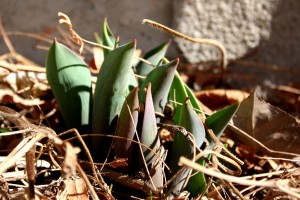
column 108, row 38
column 70, row 80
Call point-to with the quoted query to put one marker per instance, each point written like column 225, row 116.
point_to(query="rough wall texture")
column 264, row 31
column 240, row 26
column 124, row 18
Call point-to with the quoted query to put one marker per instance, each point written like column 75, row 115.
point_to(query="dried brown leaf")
column 64, row 19
column 269, row 129
column 76, row 38
column 75, row 189
column 98, row 58
column 69, row 167
column 119, row 162
column 8, row 96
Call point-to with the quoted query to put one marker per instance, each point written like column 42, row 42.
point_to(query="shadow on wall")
column 283, row 46
column 281, row 50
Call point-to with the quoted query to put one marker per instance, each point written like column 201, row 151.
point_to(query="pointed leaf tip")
column 134, row 42
column 126, row 128
column 161, row 79
column 219, row 120
column 187, row 99
column 149, row 86
column 70, row 81
column 112, row 84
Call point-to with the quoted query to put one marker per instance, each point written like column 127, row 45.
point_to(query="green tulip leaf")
column 98, row 38
column 70, row 80
column 194, row 101
column 126, row 127
column 161, row 79
column 219, row 121
column 182, row 147
column 108, row 38
column 178, row 93
column 150, row 137
column 154, row 56
column 110, row 93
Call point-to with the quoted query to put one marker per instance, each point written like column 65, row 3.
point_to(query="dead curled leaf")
column 64, row 19
column 119, row 162
column 8, row 96
column 75, row 189
column 267, row 129
column 3, row 72
column 69, row 167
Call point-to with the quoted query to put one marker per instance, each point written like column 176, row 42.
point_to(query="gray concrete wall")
column 264, row 31
column 124, row 17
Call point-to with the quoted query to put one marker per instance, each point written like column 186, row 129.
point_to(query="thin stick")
column 253, row 191
column 18, row 67
column 216, row 189
column 123, row 138
column 79, row 40
column 218, row 155
column 214, row 43
column 141, row 150
column 22, row 152
column 29, row 153
column 171, row 180
column 15, row 132
column 53, row 159
column 89, row 185
column 130, row 182
column 6, row 39
column 88, row 155
column 270, row 173
column 216, row 140
column 31, row 35
column 179, row 129
column 237, row 192
column 282, row 184
column 188, row 163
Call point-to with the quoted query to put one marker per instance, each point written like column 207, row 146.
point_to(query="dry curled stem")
column 212, row 42
column 79, row 40
column 64, row 19
column 281, row 184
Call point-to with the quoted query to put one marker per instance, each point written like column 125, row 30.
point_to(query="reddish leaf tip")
column 187, row 99
column 149, row 85
column 134, row 42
